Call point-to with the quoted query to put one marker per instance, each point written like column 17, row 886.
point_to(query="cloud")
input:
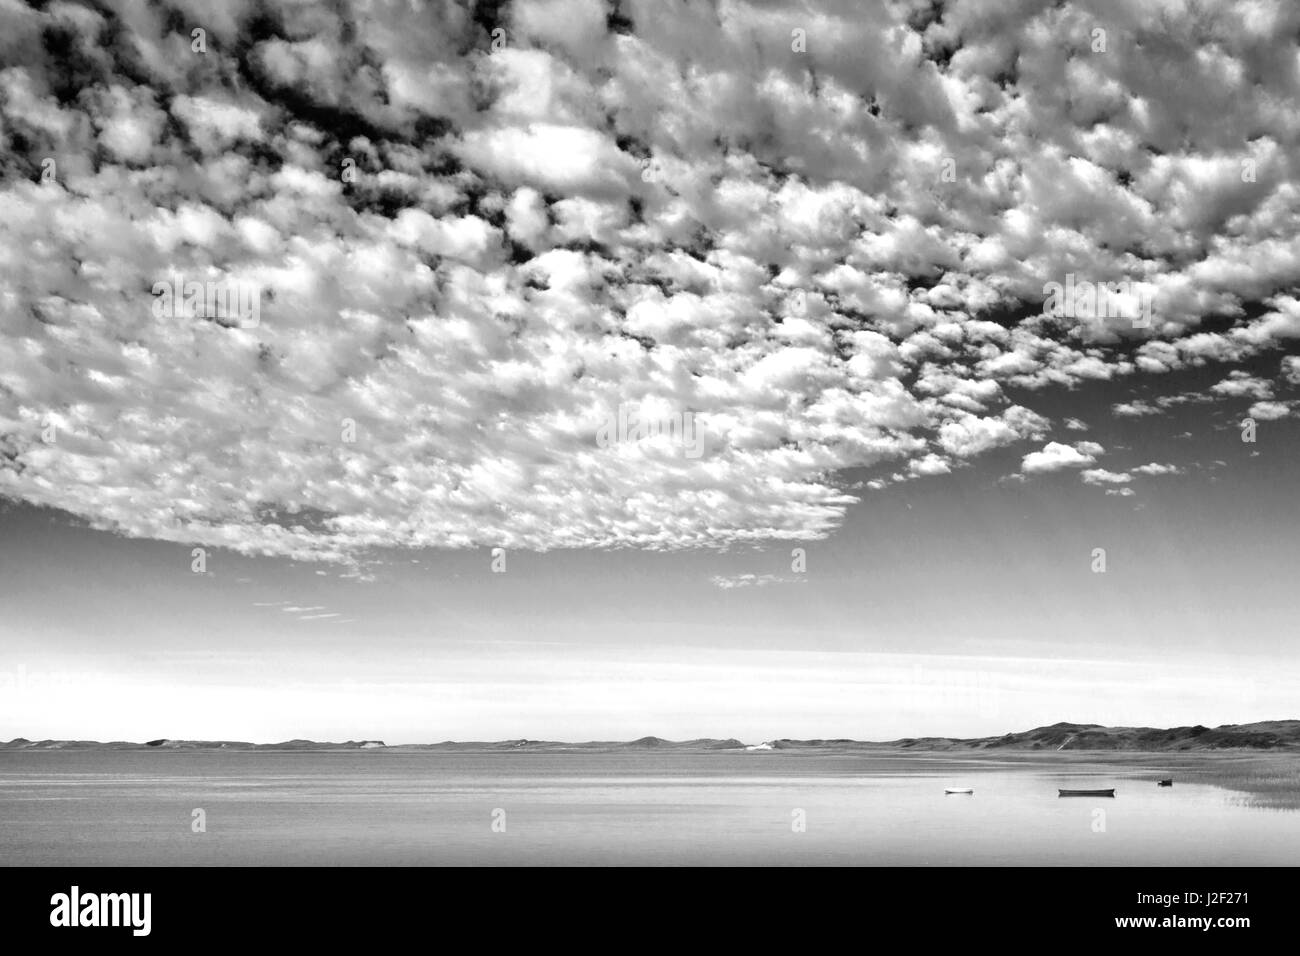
column 1100, row 476
column 1291, row 369
column 1269, row 411
column 929, row 465
column 973, row 435
column 1135, row 409
column 1055, row 456
column 466, row 257
column 303, row 612
column 1155, row 468
column 1113, row 480
column 732, row 581
column 1242, row 384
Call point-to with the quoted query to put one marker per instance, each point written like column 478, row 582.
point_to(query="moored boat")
column 1165, row 783
column 1086, row 793
column 958, row 789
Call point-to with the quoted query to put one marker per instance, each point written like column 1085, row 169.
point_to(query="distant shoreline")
column 1272, row 736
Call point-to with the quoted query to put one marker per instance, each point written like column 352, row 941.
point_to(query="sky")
column 898, row 483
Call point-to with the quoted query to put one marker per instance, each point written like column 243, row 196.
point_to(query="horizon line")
column 518, row 741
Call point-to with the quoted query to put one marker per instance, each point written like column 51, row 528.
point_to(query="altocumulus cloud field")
column 823, row 230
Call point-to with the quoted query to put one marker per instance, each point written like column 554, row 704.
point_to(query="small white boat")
column 958, row 789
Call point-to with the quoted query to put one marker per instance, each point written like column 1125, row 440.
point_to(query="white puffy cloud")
column 1155, row 468
column 1135, row 409
column 929, row 465
column 1100, row 476
column 1269, row 411
column 1243, row 385
column 1054, row 456
column 1116, row 482
column 548, row 156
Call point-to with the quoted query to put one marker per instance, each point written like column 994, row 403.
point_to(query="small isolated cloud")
column 1100, row 476
column 1074, row 425
column 1269, row 411
column 730, row 581
column 1135, row 409
column 1157, row 469
column 303, row 612
column 1121, row 492
column 929, row 465
column 1056, row 456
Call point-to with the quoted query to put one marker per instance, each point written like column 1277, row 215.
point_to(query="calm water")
column 126, row 808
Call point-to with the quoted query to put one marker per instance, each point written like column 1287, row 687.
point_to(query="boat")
column 958, row 789
column 1165, row 783
column 1086, row 793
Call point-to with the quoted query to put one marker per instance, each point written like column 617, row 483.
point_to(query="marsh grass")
column 1269, row 780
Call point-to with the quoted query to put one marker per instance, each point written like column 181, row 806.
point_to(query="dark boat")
column 1165, row 783
column 1086, row 793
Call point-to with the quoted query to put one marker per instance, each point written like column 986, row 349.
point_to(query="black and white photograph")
column 638, row 434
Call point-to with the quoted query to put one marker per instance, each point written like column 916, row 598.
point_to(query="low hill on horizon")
column 1262, row 735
